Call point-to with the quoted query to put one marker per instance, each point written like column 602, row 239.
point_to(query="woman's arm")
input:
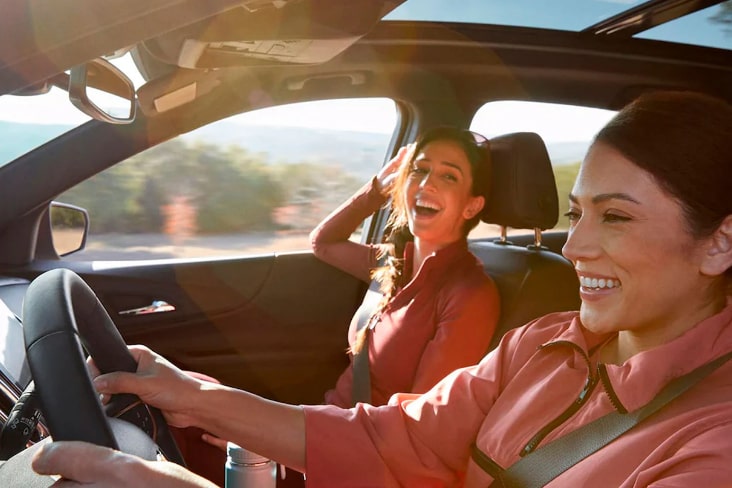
column 272, row 429
column 413, row 441
column 97, row 466
column 329, row 240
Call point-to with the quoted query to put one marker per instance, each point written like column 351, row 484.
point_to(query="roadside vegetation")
column 204, row 199
column 208, row 190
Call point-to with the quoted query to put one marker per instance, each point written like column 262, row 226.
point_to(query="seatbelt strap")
column 539, row 467
column 361, row 388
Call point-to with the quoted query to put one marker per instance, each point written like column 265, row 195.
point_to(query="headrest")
column 523, row 191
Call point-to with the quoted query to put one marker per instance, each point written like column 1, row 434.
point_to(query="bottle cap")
column 239, row 455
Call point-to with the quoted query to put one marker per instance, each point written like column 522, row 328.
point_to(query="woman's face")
column 437, row 196
column 638, row 265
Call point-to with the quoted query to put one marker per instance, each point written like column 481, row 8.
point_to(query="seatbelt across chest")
column 541, row 466
column 361, row 388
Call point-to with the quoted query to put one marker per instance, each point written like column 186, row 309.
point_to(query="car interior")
column 274, row 322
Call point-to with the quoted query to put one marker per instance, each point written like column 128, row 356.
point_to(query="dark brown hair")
column 684, row 140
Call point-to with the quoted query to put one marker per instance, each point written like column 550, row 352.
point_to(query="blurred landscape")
column 233, row 189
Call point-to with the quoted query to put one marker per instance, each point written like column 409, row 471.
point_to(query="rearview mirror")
column 69, row 228
column 102, row 91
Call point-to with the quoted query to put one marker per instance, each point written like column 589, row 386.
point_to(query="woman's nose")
column 581, row 242
column 426, row 181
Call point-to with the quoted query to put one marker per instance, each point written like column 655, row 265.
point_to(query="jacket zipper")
column 583, row 396
column 605, row 380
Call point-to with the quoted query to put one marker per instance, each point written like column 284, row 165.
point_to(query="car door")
column 204, row 272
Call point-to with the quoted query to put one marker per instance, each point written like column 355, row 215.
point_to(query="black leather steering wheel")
column 59, row 311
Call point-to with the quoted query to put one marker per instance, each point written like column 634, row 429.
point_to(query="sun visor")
column 174, row 90
column 271, row 32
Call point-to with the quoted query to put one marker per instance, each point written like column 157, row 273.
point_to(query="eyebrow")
column 603, row 197
column 446, row 163
column 453, row 165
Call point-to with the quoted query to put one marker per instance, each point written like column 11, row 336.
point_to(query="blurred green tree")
column 230, row 190
column 107, row 197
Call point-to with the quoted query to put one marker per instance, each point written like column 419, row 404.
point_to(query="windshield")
column 27, row 122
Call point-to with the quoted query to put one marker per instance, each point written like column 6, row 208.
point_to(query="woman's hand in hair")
column 387, row 174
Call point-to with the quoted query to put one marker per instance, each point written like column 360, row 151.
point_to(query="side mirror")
column 102, row 91
column 69, row 228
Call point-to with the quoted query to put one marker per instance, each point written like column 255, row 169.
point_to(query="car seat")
column 532, row 280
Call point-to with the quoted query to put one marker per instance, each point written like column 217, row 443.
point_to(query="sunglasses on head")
column 447, row 132
column 479, row 139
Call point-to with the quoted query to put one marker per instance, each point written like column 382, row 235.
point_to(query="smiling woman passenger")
column 651, row 239
column 438, row 309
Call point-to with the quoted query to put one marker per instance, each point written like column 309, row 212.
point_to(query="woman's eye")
column 614, row 218
column 573, row 215
column 450, row 177
column 419, row 171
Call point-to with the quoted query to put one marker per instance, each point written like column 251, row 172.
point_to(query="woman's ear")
column 718, row 257
column 474, row 206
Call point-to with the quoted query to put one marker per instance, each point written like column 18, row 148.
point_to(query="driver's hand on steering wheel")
column 80, row 463
column 157, row 382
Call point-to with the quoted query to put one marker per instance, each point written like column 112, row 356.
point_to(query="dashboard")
column 14, row 371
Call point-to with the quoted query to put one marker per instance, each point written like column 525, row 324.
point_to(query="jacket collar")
column 639, row 379
column 438, row 262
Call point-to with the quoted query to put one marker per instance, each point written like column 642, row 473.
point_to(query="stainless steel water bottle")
column 246, row 469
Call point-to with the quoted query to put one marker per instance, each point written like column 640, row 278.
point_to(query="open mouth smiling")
column 426, row 208
column 599, row 283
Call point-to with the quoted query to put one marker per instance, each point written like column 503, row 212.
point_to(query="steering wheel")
column 59, row 310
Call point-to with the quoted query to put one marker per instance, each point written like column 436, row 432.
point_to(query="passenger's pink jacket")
column 536, row 373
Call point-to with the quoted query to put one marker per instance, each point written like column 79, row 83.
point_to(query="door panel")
column 274, row 325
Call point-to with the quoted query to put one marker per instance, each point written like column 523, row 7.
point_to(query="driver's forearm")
column 271, row 429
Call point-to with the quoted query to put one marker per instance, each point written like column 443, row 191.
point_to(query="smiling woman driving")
column 651, row 240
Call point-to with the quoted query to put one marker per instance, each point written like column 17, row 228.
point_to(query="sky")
column 565, row 15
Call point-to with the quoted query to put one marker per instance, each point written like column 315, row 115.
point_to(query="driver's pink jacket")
column 536, row 373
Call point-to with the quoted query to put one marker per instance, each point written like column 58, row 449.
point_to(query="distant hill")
column 355, row 150
column 358, row 151
column 333, row 144
column 16, row 139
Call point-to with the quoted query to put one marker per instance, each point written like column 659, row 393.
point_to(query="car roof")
column 48, row 37
column 44, row 37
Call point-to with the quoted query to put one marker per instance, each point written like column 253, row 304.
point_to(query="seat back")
column 532, row 280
